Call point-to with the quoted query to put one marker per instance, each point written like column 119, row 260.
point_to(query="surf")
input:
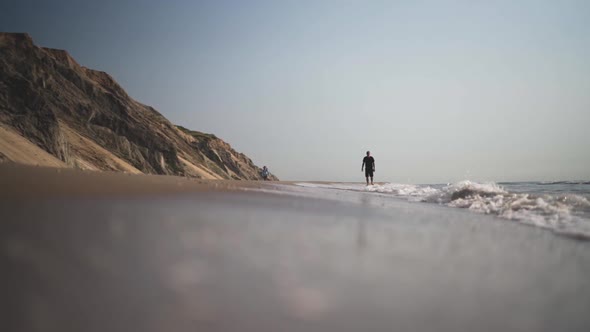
column 562, row 211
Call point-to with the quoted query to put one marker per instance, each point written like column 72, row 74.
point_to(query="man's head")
column 368, row 153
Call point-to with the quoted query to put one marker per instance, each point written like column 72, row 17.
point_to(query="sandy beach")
column 90, row 251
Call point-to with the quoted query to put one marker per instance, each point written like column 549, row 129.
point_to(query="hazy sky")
column 439, row 91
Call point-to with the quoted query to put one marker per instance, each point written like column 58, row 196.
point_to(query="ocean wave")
column 563, row 182
column 566, row 214
column 415, row 192
column 563, row 213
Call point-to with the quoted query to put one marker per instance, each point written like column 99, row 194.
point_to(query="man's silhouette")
column 369, row 166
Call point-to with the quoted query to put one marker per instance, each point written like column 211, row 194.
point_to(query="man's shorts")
column 368, row 173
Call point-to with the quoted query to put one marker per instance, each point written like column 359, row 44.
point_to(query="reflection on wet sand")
column 361, row 238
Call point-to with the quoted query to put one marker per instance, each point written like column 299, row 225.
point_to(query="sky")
column 438, row 91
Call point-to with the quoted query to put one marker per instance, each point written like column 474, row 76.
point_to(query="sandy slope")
column 91, row 156
column 16, row 148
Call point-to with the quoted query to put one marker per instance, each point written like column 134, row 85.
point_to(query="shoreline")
column 18, row 181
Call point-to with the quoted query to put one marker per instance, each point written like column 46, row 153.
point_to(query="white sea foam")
column 566, row 214
column 412, row 192
column 341, row 186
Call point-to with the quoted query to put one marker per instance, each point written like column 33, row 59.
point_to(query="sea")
column 562, row 207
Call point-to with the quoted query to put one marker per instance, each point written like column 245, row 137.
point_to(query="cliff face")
column 55, row 112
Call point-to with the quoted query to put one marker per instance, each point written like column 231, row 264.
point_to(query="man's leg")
column 367, row 180
column 371, row 180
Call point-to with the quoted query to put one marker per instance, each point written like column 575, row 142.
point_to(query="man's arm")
column 363, row 165
column 373, row 165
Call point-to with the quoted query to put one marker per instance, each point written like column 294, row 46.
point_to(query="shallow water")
column 562, row 207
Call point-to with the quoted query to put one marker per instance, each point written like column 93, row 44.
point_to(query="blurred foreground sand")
column 85, row 251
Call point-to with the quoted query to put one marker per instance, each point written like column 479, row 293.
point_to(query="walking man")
column 369, row 166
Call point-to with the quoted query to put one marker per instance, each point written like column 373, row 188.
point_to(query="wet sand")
column 27, row 182
column 84, row 251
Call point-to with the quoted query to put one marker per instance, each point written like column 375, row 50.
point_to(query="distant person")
column 369, row 166
column 265, row 173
